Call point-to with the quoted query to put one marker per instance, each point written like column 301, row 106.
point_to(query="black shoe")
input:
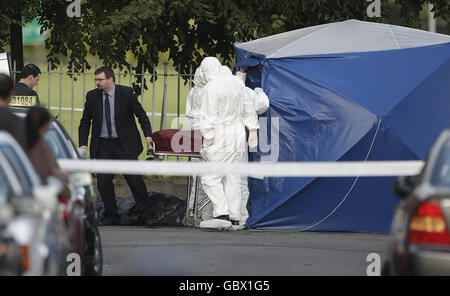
column 223, row 217
column 109, row 221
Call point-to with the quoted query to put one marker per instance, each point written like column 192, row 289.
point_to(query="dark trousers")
column 111, row 149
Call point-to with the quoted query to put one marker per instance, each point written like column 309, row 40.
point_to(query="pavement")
column 185, row 251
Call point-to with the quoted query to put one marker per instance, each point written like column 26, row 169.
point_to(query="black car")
column 63, row 147
column 81, row 206
column 421, row 223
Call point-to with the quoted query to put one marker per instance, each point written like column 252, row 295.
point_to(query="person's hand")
column 83, row 150
column 253, row 138
column 259, row 90
column 203, row 153
column 242, row 75
column 149, row 141
column 207, row 142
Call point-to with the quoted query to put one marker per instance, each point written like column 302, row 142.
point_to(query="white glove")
column 203, row 153
column 241, row 75
column 206, row 143
column 260, row 101
column 253, row 138
column 258, row 90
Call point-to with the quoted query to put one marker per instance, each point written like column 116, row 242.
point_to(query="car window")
column 57, row 144
column 66, row 138
column 73, row 149
column 441, row 171
column 5, row 187
column 18, row 166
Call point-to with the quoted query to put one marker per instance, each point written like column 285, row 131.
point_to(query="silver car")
column 83, row 205
column 11, row 261
column 421, row 225
column 37, row 226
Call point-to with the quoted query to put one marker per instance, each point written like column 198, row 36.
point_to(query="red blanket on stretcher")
column 177, row 141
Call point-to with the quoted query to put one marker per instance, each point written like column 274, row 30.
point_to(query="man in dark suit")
column 8, row 121
column 114, row 135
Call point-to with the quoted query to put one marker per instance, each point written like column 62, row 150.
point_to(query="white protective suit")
column 260, row 103
column 193, row 100
column 224, row 117
column 193, row 117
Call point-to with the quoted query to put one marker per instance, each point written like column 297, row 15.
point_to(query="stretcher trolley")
column 186, row 144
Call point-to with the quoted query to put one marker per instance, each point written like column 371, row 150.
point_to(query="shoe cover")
column 237, row 227
column 215, row 224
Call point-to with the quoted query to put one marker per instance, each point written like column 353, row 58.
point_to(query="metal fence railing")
column 64, row 90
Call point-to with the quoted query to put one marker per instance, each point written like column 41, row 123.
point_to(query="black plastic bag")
column 161, row 210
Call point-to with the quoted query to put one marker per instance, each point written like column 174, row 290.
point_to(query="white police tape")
column 81, row 110
column 280, row 169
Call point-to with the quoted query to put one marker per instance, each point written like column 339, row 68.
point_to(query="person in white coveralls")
column 260, row 103
column 193, row 118
column 224, row 116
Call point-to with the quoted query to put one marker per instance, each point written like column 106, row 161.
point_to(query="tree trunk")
column 17, row 45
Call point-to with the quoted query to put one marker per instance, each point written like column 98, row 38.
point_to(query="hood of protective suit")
column 193, row 100
column 199, row 78
column 226, row 71
column 211, row 67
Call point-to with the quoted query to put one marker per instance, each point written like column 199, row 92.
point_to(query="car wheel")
column 95, row 266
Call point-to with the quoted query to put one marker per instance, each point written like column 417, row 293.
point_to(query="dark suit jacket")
column 14, row 125
column 126, row 106
column 22, row 89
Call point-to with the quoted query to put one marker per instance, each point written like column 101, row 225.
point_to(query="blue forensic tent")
column 346, row 91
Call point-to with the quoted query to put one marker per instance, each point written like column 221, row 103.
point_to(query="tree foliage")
column 188, row 29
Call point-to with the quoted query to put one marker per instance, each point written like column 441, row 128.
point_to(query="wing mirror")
column 6, row 214
column 47, row 196
column 26, row 206
column 404, row 186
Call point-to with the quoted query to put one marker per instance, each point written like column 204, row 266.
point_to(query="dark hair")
column 6, row 86
column 30, row 69
column 37, row 116
column 109, row 73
